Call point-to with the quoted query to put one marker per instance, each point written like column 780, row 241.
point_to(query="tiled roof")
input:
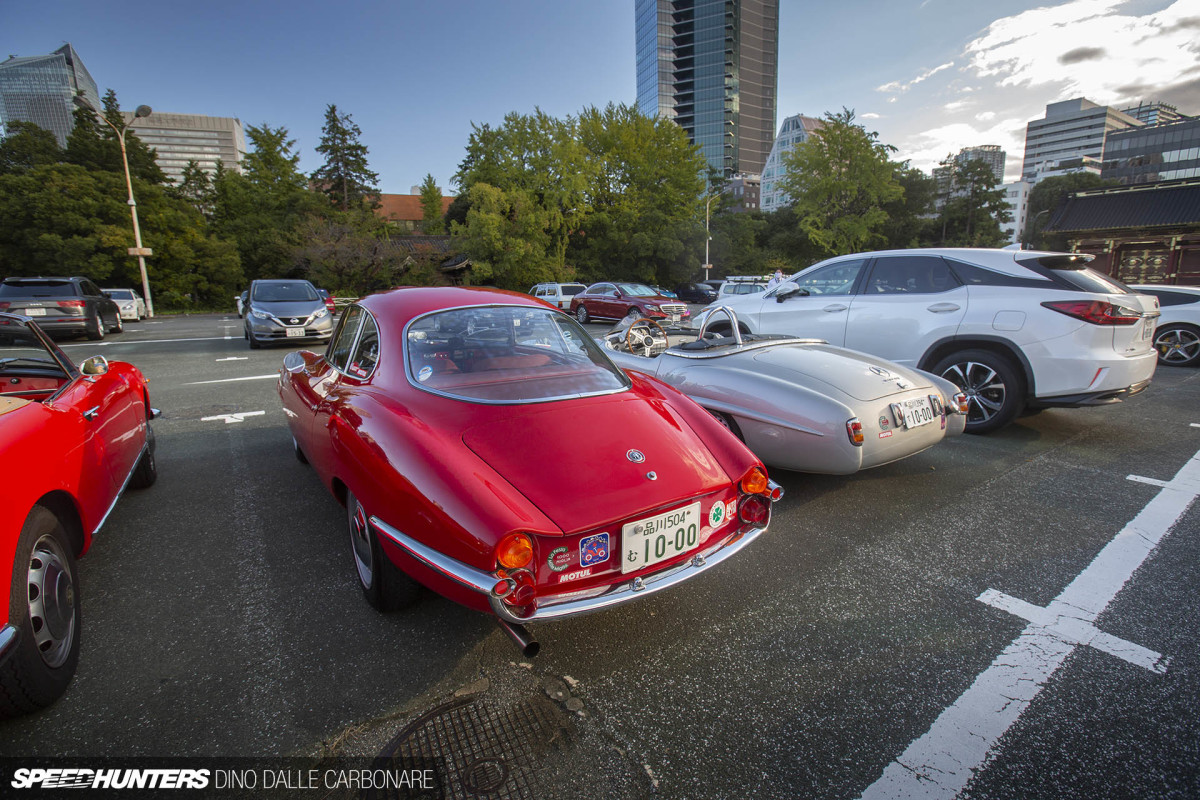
column 438, row 245
column 405, row 207
column 1130, row 207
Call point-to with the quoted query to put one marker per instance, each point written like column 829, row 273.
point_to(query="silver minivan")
column 557, row 294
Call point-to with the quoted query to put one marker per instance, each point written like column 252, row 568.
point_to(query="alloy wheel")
column 1177, row 346
column 983, row 386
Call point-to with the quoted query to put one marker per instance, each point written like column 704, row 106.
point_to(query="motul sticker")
column 886, row 434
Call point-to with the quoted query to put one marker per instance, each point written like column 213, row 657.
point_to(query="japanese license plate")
column 1148, row 330
column 914, row 413
column 295, row 331
column 35, row 312
column 649, row 541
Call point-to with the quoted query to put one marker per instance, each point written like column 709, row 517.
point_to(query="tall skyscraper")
column 39, row 89
column 180, row 138
column 712, row 67
column 1070, row 129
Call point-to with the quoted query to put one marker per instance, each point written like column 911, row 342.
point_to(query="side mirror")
column 96, row 365
column 790, row 291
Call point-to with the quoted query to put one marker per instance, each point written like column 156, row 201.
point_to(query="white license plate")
column 35, row 312
column 295, row 331
column 649, row 541
column 1148, row 330
column 915, row 412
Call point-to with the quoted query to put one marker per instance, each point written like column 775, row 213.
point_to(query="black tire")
column 384, row 586
column 146, row 471
column 119, row 325
column 45, row 607
column 95, row 330
column 995, row 387
column 729, row 423
column 303, row 459
column 255, row 344
column 581, row 314
column 1177, row 345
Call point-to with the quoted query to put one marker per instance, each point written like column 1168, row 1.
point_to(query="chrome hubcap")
column 51, row 601
column 360, row 541
column 983, row 387
column 1178, row 346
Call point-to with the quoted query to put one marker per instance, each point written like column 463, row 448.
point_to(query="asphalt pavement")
column 862, row 647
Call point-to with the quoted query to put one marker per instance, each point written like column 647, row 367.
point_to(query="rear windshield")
column 572, row 288
column 38, row 289
column 1067, row 271
column 284, row 292
column 508, row 354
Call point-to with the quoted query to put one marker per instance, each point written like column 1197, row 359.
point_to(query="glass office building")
column 1154, row 153
column 712, row 67
column 39, row 89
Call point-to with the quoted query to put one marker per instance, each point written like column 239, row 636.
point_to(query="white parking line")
column 232, row 418
column 234, row 380
column 963, row 738
column 232, row 358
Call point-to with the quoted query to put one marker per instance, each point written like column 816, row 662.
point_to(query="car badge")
column 653, row 476
column 559, row 560
column 295, row 321
column 593, row 550
column 635, row 456
column 902, row 384
column 883, row 423
column 881, row 372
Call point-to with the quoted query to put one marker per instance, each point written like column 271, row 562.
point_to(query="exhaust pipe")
column 525, row 641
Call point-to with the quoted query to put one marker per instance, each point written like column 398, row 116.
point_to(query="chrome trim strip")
column 744, row 347
column 636, row 587
column 136, row 461
column 10, row 636
column 468, row 576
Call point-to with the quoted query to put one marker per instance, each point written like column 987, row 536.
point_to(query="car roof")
column 406, row 302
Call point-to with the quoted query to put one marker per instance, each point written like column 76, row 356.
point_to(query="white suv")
column 557, row 294
column 1014, row 329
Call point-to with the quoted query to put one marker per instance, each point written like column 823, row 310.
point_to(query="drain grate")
column 482, row 750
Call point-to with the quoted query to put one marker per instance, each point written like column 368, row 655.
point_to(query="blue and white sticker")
column 593, row 550
column 424, row 374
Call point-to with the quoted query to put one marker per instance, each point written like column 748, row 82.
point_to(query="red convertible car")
column 485, row 446
column 71, row 439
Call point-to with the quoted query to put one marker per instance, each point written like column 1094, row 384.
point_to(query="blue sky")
column 931, row 76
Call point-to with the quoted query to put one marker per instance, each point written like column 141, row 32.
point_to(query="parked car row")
column 71, row 306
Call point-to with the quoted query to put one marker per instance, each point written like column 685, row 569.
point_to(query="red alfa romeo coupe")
column 71, row 439
column 485, row 446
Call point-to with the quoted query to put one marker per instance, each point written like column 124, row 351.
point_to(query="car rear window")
column 507, row 354
column 39, row 289
column 1070, row 271
column 284, row 292
column 572, row 288
column 1168, row 298
column 120, row 294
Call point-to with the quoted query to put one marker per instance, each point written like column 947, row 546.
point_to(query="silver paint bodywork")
column 790, row 398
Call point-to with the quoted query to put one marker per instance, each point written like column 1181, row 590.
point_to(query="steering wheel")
column 645, row 332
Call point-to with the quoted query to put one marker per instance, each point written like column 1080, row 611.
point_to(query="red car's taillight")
column 1097, row 312
column 72, row 303
column 514, row 551
column 4, row 306
column 754, row 481
column 755, row 510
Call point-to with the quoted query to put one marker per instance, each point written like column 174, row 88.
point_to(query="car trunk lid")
column 862, row 377
column 586, row 476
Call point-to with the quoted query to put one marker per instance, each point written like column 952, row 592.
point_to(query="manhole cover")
column 482, row 750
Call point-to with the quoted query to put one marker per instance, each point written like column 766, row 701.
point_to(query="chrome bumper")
column 9, row 636
column 605, row 597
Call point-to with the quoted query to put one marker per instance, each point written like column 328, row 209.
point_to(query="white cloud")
column 986, row 116
column 870, row 115
column 1089, row 48
column 897, row 86
column 927, row 149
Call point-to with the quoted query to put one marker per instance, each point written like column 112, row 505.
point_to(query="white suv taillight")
column 1097, row 312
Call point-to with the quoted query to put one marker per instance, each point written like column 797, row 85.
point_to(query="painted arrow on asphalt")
column 232, row 418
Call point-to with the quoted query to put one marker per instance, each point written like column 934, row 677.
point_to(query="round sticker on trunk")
column 560, row 559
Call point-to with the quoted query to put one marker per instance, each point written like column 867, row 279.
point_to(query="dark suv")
column 696, row 292
column 62, row 305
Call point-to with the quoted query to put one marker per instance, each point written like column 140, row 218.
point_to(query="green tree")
column 1045, row 197
column 196, row 188
column 345, row 177
column 93, row 144
column 509, row 236
column 976, row 210
column 840, row 179
column 431, row 205
column 910, row 220
column 26, row 146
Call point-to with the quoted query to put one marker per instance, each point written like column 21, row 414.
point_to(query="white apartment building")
column 793, row 131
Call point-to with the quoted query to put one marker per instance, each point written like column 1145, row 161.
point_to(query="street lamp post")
column 707, row 238
column 137, row 249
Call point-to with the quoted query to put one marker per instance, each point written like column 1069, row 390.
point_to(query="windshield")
column 284, row 292
column 636, row 290
column 37, row 289
column 507, row 354
column 120, row 294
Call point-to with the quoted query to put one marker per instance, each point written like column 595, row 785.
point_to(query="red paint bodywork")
column 52, row 455
column 458, row 475
column 616, row 307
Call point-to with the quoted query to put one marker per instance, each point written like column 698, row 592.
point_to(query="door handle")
column 942, row 308
column 835, row 307
column 91, row 413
